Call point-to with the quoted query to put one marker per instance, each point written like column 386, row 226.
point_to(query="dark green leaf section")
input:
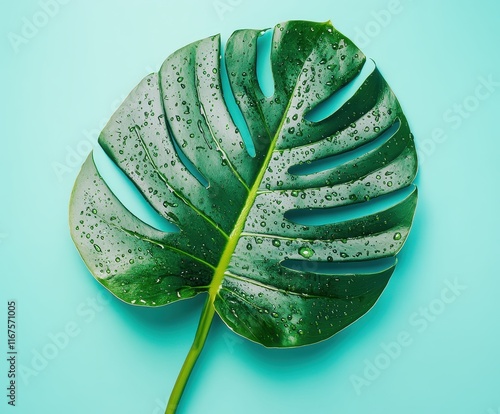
column 239, row 219
column 285, row 307
column 311, row 308
column 310, row 62
column 137, row 263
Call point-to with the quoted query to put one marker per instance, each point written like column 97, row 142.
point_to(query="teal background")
column 63, row 84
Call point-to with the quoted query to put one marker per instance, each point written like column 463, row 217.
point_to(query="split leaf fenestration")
column 237, row 202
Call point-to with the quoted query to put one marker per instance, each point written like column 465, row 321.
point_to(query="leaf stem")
column 199, row 341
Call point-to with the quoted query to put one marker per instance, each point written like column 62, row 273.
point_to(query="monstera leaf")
column 243, row 207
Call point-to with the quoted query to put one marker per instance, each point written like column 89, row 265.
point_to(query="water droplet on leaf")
column 306, row 252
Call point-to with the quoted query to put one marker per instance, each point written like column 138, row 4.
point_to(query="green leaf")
column 241, row 237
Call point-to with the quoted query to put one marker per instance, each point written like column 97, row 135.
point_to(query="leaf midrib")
column 235, row 234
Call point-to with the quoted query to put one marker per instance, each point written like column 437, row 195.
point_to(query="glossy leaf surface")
column 239, row 206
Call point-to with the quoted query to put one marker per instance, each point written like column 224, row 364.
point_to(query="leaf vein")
column 175, row 191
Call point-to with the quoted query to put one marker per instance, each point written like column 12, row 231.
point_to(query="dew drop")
column 306, row 252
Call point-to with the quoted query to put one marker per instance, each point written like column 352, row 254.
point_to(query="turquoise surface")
column 430, row 345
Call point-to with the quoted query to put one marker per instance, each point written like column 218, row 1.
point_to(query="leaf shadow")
column 282, row 365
